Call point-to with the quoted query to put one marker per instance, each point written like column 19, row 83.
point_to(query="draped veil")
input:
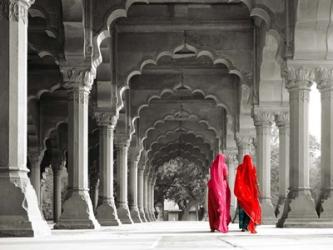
column 247, row 193
column 219, row 195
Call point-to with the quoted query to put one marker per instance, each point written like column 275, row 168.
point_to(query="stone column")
column 149, row 201
column 141, row 194
column 244, row 144
column 57, row 199
column 124, row 215
column 133, row 191
column 106, row 212
column 299, row 209
column 282, row 121
column 19, row 212
column 146, row 196
column 263, row 122
column 232, row 166
column 77, row 208
column 152, row 195
column 325, row 86
column 35, row 161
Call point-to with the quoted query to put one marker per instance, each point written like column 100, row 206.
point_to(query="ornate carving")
column 300, row 95
column 262, row 118
column 242, row 140
column 282, row 119
column 298, row 76
column 15, row 10
column 77, row 77
column 80, row 94
column 231, row 156
column 324, row 78
column 181, row 115
column 106, row 119
column 122, row 140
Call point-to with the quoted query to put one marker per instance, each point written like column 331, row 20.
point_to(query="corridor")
column 174, row 235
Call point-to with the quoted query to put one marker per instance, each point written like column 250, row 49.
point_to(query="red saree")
column 219, row 196
column 247, row 193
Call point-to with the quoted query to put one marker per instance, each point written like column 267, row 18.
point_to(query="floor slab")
column 175, row 235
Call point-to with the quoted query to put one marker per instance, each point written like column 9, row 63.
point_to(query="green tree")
column 182, row 181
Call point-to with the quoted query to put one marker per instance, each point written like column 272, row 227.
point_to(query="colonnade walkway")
column 177, row 236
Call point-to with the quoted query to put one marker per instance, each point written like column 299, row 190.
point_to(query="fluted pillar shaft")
column 325, row 86
column 263, row 122
column 282, row 121
column 133, row 191
column 19, row 214
column 146, row 196
column 57, row 199
column 299, row 209
column 77, row 209
column 106, row 212
column 141, row 194
column 122, row 167
column 35, row 161
column 232, row 165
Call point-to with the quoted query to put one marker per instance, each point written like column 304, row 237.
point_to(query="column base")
column 142, row 216
column 298, row 211
column 267, row 212
column 135, row 215
column 19, row 212
column 279, row 206
column 326, row 210
column 77, row 212
column 124, row 214
column 106, row 214
column 148, row 219
column 152, row 216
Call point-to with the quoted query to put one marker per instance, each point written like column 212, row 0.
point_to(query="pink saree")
column 219, row 196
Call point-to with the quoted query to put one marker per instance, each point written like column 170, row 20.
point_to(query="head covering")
column 219, row 195
column 246, row 191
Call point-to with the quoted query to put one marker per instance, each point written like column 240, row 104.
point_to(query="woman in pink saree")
column 219, row 196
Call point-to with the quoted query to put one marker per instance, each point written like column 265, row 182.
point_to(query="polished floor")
column 175, row 235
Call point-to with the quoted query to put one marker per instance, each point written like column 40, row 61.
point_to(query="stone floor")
column 175, row 235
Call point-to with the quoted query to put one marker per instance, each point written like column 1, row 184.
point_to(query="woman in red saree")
column 247, row 193
column 219, row 196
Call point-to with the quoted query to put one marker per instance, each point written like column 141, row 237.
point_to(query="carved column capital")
column 122, row 139
column 282, row 119
column 298, row 76
column 231, row 155
column 324, row 78
column 78, row 77
column 242, row 139
column 35, row 156
column 106, row 119
column 262, row 117
column 15, row 10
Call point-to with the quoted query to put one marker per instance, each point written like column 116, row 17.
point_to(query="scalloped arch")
column 173, row 91
column 122, row 12
column 196, row 148
column 172, row 132
column 161, row 122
